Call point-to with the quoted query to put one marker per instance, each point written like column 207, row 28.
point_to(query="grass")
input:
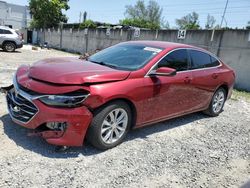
column 237, row 94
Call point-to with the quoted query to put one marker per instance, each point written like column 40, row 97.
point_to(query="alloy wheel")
column 114, row 126
column 9, row 47
column 218, row 101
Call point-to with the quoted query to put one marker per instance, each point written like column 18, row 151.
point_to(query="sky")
column 111, row 11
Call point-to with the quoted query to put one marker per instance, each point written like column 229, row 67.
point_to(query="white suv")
column 10, row 39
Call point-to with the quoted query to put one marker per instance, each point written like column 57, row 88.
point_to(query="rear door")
column 5, row 35
column 205, row 76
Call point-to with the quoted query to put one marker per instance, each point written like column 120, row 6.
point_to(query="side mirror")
column 163, row 71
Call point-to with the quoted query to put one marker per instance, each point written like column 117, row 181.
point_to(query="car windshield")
column 125, row 57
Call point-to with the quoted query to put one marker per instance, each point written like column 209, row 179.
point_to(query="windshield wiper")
column 105, row 64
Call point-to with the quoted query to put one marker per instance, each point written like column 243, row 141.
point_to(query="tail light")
column 21, row 36
column 234, row 74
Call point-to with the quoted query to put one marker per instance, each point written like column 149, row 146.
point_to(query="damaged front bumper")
column 47, row 134
column 6, row 89
column 33, row 114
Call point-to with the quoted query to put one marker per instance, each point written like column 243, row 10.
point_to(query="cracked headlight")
column 63, row 100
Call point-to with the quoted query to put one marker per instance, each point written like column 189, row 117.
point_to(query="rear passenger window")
column 1, row 31
column 177, row 59
column 6, row 32
column 202, row 60
column 215, row 62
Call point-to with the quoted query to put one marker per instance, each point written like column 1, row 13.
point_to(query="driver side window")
column 177, row 59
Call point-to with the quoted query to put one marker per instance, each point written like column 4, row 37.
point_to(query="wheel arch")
column 224, row 86
column 127, row 101
column 9, row 41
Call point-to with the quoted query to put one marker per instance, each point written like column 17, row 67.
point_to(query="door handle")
column 187, row 80
column 215, row 75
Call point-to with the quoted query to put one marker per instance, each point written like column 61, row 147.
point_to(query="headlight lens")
column 63, row 100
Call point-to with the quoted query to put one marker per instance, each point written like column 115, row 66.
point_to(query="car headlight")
column 63, row 100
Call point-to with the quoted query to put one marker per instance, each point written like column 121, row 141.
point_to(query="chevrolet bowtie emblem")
column 16, row 109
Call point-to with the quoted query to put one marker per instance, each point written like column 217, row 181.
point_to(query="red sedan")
column 126, row 86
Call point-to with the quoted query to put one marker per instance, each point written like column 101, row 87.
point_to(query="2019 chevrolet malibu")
column 129, row 85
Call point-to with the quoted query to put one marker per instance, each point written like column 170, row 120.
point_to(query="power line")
column 242, row 7
column 167, row 5
column 210, row 11
column 194, row 4
column 223, row 17
column 181, row 10
column 230, row 9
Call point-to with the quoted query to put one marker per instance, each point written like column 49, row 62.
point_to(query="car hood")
column 74, row 71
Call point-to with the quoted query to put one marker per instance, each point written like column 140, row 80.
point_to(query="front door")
column 169, row 96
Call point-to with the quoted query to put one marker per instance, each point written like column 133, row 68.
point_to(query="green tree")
column 47, row 13
column 139, row 23
column 190, row 21
column 210, row 22
column 88, row 24
column 144, row 16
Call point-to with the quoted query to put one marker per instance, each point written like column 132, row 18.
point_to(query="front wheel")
column 109, row 125
column 217, row 103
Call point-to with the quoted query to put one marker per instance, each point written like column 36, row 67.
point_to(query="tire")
column 103, row 131
column 9, row 46
column 218, row 98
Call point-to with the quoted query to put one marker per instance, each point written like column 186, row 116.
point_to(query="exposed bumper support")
column 78, row 119
column 5, row 89
column 47, row 134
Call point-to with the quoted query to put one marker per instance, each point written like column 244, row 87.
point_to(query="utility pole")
column 80, row 17
column 84, row 16
column 223, row 16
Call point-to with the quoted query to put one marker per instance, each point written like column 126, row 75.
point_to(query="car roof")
column 7, row 28
column 4, row 27
column 159, row 44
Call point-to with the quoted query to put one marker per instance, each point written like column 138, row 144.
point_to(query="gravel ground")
column 191, row 151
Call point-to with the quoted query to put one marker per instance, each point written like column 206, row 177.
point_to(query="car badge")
column 16, row 109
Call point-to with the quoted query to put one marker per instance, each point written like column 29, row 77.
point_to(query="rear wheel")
column 9, row 46
column 110, row 125
column 217, row 103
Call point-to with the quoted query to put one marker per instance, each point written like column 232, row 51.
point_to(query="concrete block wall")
column 232, row 46
column 235, row 51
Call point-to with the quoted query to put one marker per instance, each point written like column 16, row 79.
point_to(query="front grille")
column 19, row 107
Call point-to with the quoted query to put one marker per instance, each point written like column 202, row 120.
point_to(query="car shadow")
column 36, row 144
column 16, row 51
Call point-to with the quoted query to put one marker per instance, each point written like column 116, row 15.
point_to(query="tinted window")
column 1, row 31
column 177, row 60
column 214, row 62
column 199, row 59
column 202, row 60
column 5, row 31
column 125, row 57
